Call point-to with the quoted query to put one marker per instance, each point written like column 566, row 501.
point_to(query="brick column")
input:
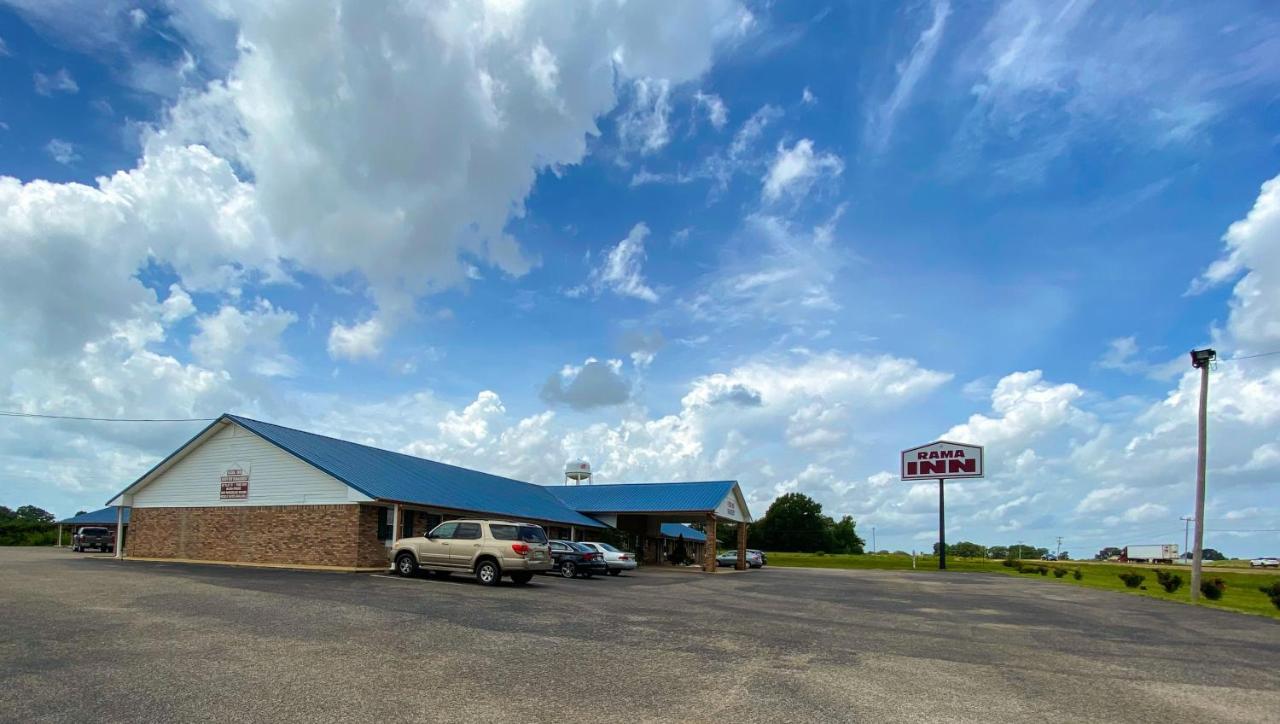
column 709, row 549
column 742, row 546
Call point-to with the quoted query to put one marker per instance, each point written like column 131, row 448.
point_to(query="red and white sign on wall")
column 235, row 485
column 942, row 459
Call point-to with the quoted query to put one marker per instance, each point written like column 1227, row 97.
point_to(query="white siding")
column 275, row 476
column 733, row 507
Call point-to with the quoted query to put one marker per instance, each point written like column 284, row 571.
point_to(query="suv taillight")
column 520, row 548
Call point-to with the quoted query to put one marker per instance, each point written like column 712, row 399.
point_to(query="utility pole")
column 1019, row 550
column 873, row 539
column 1200, row 359
column 1059, row 551
column 1186, row 534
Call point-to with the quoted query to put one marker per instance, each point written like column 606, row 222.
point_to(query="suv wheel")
column 568, row 569
column 406, row 565
column 488, row 573
column 521, row 578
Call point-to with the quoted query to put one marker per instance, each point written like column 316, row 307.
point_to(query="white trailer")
column 1156, row 553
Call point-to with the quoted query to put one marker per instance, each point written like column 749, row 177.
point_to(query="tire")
column 568, row 569
column 406, row 565
column 521, row 578
column 488, row 572
column 615, row 572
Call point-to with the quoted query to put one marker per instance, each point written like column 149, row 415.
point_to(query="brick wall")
column 324, row 535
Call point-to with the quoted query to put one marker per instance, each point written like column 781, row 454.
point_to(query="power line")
column 7, row 413
column 1250, row 356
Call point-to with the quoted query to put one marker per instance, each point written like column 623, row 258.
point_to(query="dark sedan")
column 572, row 559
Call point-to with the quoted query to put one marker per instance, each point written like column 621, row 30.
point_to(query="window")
column 467, row 531
column 557, row 546
column 526, row 533
column 608, row 547
column 384, row 524
column 581, row 547
column 444, row 530
column 532, row 534
column 406, row 523
column 504, row 532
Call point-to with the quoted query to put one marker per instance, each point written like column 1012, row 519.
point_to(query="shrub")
column 1131, row 579
column 1076, row 574
column 1272, row 592
column 820, row 553
column 1059, row 572
column 1007, row 563
column 1042, row 570
column 1213, row 588
column 1170, row 582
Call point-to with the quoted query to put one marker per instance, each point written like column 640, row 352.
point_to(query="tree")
column 81, row 512
column 1210, row 554
column 844, row 536
column 998, row 551
column 794, row 522
column 33, row 514
column 964, row 549
column 1107, row 552
column 1064, row 556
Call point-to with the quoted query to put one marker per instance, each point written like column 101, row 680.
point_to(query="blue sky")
column 774, row 243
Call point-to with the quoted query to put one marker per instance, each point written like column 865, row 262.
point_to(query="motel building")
column 249, row 492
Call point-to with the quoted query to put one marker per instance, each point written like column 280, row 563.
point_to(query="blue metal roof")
column 675, row 530
column 106, row 516
column 393, row 476
column 645, row 497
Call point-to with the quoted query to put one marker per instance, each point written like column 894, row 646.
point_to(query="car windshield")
column 582, row 547
column 608, row 547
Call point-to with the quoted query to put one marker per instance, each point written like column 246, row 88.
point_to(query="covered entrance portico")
column 641, row 510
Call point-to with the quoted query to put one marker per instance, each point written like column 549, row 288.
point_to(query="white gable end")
column 274, row 477
column 734, row 507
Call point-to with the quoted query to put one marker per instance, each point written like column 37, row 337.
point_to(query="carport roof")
column 106, row 516
column 645, row 497
column 675, row 530
column 393, row 476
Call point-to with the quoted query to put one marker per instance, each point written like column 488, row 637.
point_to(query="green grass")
column 1242, row 592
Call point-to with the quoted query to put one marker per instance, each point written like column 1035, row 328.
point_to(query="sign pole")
column 942, row 525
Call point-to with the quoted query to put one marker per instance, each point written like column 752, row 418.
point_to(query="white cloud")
column 57, row 82
column 138, row 17
column 62, row 151
column 238, row 339
column 713, row 106
column 1027, row 407
column 646, row 123
column 620, row 269
column 177, row 306
column 4, row 49
column 362, row 340
column 1253, row 254
column 909, row 73
column 796, row 169
column 807, row 97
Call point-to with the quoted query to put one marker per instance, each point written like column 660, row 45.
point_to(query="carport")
column 105, row 518
column 642, row 509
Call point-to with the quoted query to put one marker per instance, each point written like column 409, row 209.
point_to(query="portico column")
column 709, row 550
column 119, row 531
column 395, row 523
column 742, row 546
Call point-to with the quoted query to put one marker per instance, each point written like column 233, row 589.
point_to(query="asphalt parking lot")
column 100, row 640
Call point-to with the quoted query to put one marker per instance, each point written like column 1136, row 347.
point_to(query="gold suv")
column 489, row 549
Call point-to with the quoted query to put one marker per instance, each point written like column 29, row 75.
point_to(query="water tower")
column 576, row 471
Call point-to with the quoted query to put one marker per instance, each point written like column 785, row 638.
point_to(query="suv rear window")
column 93, row 531
column 526, row 533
